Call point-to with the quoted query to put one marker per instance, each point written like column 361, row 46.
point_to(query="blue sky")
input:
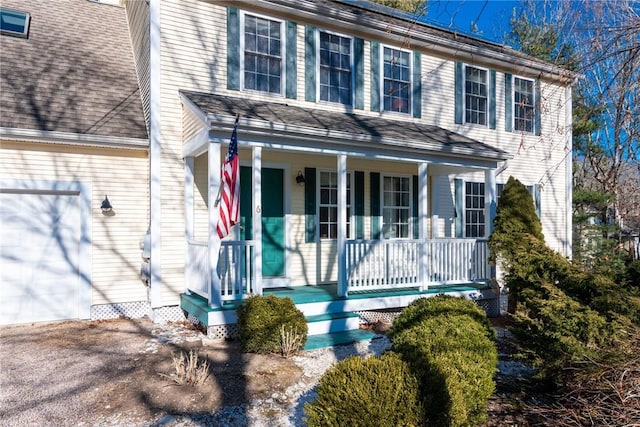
column 491, row 16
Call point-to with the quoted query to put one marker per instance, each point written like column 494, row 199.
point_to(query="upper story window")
column 396, row 90
column 263, row 53
column 328, row 205
column 396, row 208
column 523, row 105
column 335, row 68
column 475, row 95
column 14, row 23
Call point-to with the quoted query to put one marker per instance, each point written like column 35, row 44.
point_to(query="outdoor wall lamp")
column 106, row 205
column 300, row 179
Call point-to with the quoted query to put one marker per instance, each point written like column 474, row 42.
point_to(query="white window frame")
column 409, row 207
column 382, row 78
column 464, row 95
column 350, row 203
column 27, row 22
column 481, row 223
column 283, row 50
column 351, row 67
column 515, row 108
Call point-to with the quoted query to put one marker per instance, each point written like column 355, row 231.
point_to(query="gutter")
column 76, row 139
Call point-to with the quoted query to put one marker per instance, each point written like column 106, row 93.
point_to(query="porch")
column 333, row 319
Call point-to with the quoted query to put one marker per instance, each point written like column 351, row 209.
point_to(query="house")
column 372, row 150
column 72, row 137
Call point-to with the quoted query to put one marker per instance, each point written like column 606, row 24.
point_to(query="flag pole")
column 215, row 205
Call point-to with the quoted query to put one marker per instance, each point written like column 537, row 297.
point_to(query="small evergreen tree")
column 516, row 223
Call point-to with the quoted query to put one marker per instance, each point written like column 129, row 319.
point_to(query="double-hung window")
column 474, row 209
column 335, row 68
column 396, row 84
column 523, row 105
column 328, row 205
column 396, row 208
column 263, row 53
column 476, row 90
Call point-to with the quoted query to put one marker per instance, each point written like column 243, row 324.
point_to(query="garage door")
column 40, row 238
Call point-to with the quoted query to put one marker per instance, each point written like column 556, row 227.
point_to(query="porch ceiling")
column 339, row 130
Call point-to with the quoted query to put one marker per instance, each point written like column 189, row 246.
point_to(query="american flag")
column 229, row 188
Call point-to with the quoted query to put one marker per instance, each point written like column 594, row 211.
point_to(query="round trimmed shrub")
column 376, row 391
column 449, row 345
column 261, row 319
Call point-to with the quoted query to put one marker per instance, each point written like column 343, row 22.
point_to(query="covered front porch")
column 361, row 206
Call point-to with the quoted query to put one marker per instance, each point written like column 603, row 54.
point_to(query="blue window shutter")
column 414, row 210
column 458, row 93
column 310, row 205
column 358, row 62
column 233, row 49
column 492, row 99
column 375, row 76
column 537, row 106
column 291, row 90
column 310, row 63
column 459, row 207
column 536, row 199
column 508, row 103
column 417, row 84
column 375, row 205
column 359, row 204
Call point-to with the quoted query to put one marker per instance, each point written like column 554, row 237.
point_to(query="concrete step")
column 332, row 322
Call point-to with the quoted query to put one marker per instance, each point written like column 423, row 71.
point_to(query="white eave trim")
column 68, row 138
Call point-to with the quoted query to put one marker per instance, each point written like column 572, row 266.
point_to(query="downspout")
column 155, row 284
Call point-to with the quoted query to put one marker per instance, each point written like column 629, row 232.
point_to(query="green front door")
column 272, row 218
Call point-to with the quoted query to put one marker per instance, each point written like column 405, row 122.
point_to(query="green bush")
column 260, row 322
column 377, row 391
column 556, row 331
column 448, row 343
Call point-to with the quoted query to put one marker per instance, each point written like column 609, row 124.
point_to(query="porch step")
column 332, row 322
column 337, row 338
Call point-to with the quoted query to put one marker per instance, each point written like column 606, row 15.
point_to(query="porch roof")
column 357, row 131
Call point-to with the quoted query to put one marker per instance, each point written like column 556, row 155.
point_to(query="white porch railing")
column 370, row 264
column 389, row 264
column 458, row 260
column 235, row 267
column 382, row 264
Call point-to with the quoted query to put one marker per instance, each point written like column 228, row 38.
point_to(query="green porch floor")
column 325, row 293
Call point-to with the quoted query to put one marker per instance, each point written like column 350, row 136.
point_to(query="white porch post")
column 213, row 157
column 342, row 225
column 423, row 197
column 489, row 200
column 256, row 197
column 188, row 214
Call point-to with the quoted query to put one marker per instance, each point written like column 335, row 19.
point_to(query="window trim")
column 283, row 50
column 464, row 95
column 352, row 81
column 27, row 24
column 409, row 113
column 350, row 202
column 410, row 222
column 513, row 104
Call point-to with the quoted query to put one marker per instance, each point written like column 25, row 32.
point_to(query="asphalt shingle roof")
column 75, row 73
column 378, row 129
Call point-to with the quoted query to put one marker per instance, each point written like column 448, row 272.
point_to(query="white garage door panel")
column 39, row 255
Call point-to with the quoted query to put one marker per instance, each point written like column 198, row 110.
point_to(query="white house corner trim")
column 569, row 172
column 155, row 161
